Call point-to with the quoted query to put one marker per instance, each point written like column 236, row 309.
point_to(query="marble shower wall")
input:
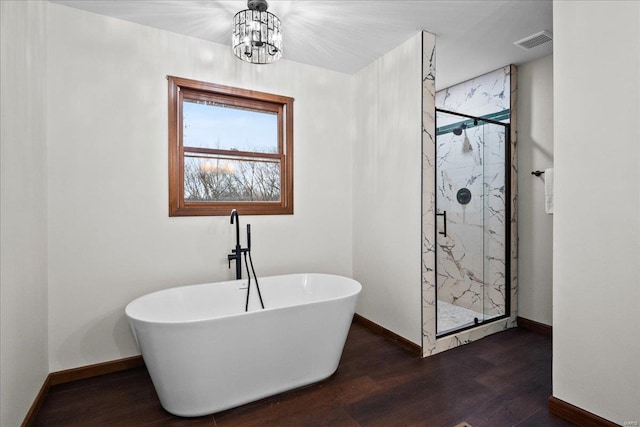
column 428, row 193
column 494, row 232
column 486, row 94
column 470, row 259
column 459, row 258
column 490, row 94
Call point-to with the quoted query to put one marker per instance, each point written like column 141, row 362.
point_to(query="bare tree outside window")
column 208, row 179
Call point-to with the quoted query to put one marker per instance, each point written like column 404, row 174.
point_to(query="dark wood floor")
column 501, row 380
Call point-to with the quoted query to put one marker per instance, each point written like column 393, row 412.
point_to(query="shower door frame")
column 507, row 222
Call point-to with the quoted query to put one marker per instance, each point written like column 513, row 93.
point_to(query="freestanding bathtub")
column 206, row 354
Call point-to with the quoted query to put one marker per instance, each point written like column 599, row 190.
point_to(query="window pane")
column 224, row 179
column 207, row 125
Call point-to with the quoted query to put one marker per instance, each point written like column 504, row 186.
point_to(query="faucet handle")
column 231, row 257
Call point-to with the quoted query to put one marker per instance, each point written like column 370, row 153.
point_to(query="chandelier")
column 256, row 34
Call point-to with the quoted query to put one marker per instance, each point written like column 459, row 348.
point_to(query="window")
column 229, row 148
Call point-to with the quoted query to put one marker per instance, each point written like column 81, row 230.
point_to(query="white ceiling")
column 473, row 36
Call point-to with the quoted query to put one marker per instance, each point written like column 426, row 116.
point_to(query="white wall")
column 596, row 253
column 23, row 238
column 387, row 176
column 535, row 152
column 110, row 237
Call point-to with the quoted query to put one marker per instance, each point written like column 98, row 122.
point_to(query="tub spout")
column 234, row 214
column 236, row 254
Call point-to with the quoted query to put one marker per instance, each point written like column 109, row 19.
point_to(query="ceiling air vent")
column 534, row 40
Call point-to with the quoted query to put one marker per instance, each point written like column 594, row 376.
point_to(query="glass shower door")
column 497, row 219
column 470, row 221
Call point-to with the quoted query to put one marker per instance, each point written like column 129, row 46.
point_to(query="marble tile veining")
column 470, row 263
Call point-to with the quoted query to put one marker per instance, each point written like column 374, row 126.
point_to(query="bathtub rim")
column 131, row 318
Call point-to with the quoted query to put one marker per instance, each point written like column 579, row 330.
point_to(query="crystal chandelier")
column 256, row 34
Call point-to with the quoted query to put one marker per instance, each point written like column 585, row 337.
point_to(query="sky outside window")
column 227, row 128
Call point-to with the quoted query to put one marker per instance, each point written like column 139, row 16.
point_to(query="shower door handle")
column 444, row 216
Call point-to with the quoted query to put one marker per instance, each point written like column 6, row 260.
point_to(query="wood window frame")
column 261, row 101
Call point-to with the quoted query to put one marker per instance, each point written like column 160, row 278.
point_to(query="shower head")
column 458, row 130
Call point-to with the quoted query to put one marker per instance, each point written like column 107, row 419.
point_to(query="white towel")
column 548, row 191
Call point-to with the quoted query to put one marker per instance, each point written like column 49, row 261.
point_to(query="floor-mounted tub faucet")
column 236, row 255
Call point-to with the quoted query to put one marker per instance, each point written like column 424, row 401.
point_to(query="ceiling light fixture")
column 256, row 34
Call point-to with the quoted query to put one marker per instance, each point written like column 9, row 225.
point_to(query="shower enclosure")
column 472, row 221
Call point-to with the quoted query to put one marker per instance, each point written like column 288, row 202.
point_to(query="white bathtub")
column 206, row 354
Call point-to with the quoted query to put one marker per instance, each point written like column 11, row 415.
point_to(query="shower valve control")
column 463, row 196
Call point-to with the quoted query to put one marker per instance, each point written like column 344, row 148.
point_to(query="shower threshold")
column 452, row 317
